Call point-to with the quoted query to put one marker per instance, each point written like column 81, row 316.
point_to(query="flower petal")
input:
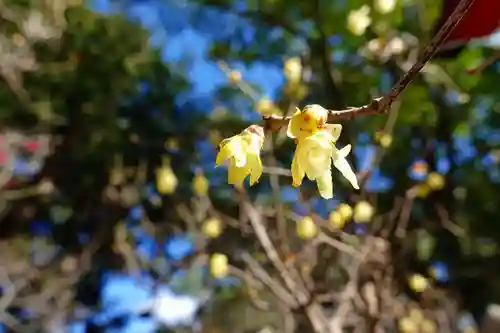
column 229, row 147
column 345, row 169
column 334, row 130
column 320, row 138
column 325, row 185
column 239, row 151
column 236, row 175
column 344, row 151
column 294, row 125
column 297, row 171
column 222, row 156
column 255, row 165
column 317, row 162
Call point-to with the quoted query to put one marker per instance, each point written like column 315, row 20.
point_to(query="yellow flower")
column 313, row 157
column 407, row 325
column 310, row 120
column 336, row 219
column 363, row 212
column 243, row 153
column 418, row 283
column 435, row 181
column 166, row 181
column 385, row 140
column 219, row 267
column 345, row 210
column 200, row 183
column 306, row 228
column 235, row 77
column 212, row 228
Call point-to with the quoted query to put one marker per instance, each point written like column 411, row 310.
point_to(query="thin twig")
column 9, row 294
column 279, row 211
column 404, row 218
column 447, row 223
column 323, row 238
column 336, row 322
column 277, row 171
column 382, row 104
column 273, row 285
column 253, row 285
column 271, row 253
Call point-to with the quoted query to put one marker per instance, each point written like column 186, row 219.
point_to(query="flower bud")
column 219, row 265
column 306, row 228
column 235, row 77
column 212, row 228
column 200, row 184
column 336, row 220
column 435, row 181
column 418, row 283
column 385, row 140
column 363, row 212
column 345, row 211
column 166, row 181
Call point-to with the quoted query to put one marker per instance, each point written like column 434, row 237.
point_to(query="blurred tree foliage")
column 105, row 102
column 102, row 99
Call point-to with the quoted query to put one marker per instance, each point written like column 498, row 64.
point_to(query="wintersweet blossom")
column 313, row 158
column 308, row 121
column 166, row 180
column 243, row 153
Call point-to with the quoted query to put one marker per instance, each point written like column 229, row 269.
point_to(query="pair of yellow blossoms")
column 313, row 156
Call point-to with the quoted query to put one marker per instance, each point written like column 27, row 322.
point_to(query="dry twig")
column 381, row 105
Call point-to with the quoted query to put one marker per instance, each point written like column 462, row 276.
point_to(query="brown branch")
column 340, row 246
column 294, row 285
column 253, row 286
column 274, row 286
column 447, row 224
column 381, row 105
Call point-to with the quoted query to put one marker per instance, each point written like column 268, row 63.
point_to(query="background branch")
column 381, row 105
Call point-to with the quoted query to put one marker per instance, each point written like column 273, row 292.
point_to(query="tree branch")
column 382, row 104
